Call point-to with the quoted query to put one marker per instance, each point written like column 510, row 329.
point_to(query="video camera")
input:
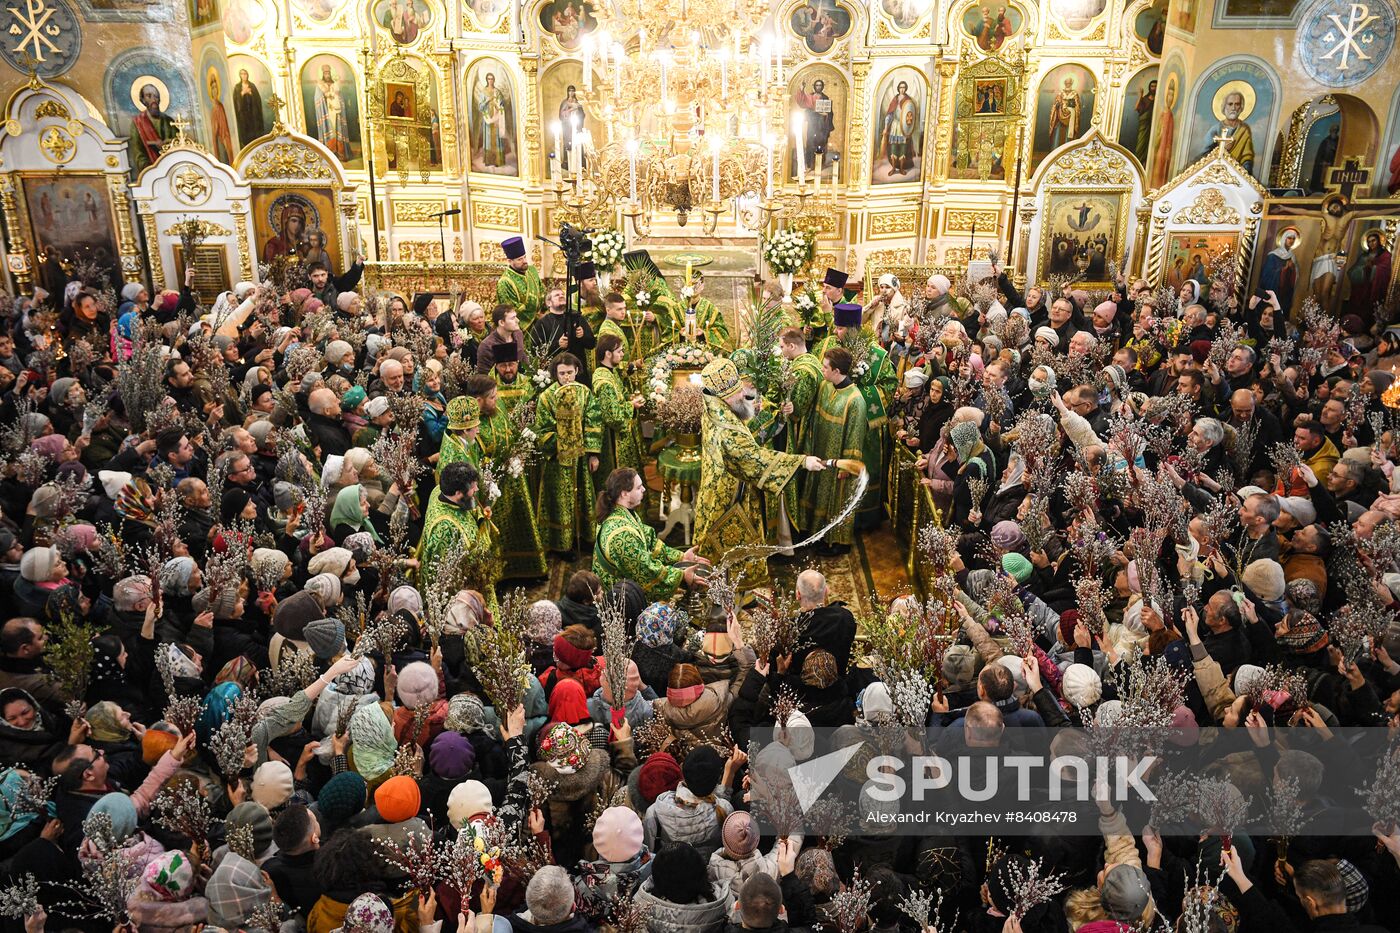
column 574, row 242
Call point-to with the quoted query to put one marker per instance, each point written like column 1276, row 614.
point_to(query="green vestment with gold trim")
column 628, row 549
column 523, row 291
column 837, row 431
column 522, row 552
column 569, row 429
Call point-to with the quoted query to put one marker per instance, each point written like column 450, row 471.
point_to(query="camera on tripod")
column 574, row 242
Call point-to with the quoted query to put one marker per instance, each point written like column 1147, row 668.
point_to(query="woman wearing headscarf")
column 114, row 734
column 350, row 515
column 19, row 825
column 30, row 735
column 372, row 744
column 165, row 900
column 108, row 682
column 935, row 414
column 659, row 647
column 65, row 406
column 636, row 704
column 428, row 383
column 1005, row 502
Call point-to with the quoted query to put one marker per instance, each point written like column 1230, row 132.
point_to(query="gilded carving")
column 286, row 160
column 419, row 251
column 1209, row 207
column 894, row 223
column 960, row 220
column 58, row 147
column 958, row 255
column 416, row 212
column 889, row 257
column 245, row 254
column 496, row 216
column 206, row 227
column 189, row 184
column 52, row 108
column 1091, row 164
column 490, row 251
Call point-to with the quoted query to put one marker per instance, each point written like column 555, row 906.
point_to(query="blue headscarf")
column 11, row 822
column 216, row 709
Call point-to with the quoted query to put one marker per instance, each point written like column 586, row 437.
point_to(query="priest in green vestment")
column 520, row 285
column 512, row 389
column 806, row 374
column 451, row 522
column 569, row 439
column 836, row 432
column 733, row 469
column 463, row 422
column 513, row 513
column 628, row 548
column 617, row 410
column 710, row 326
column 874, row 376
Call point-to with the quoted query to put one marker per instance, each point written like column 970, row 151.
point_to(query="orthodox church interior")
column 1071, row 139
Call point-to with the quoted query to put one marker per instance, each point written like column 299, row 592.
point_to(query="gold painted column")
column 859, row 179
column 126, row 234
column 947, row 95
column 1144, row 213
column 21, row 262
column 147, row 212
column 530, row 64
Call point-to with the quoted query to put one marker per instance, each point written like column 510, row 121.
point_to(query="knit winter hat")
column 255, row 817
column 37, row 564
column 451, row 756
column 342, row 798
column 468, row 799
column 960, row 663
column 368, row 914
column 1081, row 685
column 398, row 799
column 336, row 350
column 1017, row 565
column 658, row 774
column 679, row 875
column 273, row 784
column 1008, row 536
column 1126, row 893
column 618, row 834
column 418, row 684
column 702, row 770
column 550, row 896
column 740, row 836
column 326, row 637
column 1305, row 634
column 542, row 622
column 1265, row 579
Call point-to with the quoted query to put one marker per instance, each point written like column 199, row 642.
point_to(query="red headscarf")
column 568, row 703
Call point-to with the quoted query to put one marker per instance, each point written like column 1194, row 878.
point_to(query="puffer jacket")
column 707, row 916
column 728, row 872
column 702, row 722
column 679, row 816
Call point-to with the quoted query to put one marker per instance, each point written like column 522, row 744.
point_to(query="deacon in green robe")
column 569, row 438
column 617, row 410
column 513, row 513
column 733, row 469
column 836, row 432
column 452, row 523
column 520, row 285
column 806, row 374
column 628, row 548
column 874, row 376
column 614, row 319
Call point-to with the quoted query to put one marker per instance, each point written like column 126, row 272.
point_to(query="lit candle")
column 714, row 183
column 799, row 129
column 588, row 63
column 632, row 147
column 779, row 50
column 577, row 158
column 617, row 54
column 768, row 150
column 817, row 179
column 724, row 74
column 765, row 57
column 558, row 149
column 665, row 87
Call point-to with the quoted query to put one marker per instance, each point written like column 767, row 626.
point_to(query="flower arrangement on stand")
column 788, row 251
column 608, row 247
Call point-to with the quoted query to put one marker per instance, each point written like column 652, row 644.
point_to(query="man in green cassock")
column 628, row 548
column 806, row 371
column 875, row 378
column 513, row 513
column 617, row 410
column 710, row 325
column 733, row 469
column 520, row 286
column 512, row 389
column 569, row 438
column 451, row 520
column 614, row 317
column 836, row 432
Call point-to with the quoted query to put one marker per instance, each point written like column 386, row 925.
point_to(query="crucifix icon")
column 274, row 103
column 1348, row 177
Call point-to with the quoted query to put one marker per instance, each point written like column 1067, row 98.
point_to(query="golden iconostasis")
column 920, row 132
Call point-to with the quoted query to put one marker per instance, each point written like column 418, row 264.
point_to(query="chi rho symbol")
column 34, row 29
column 1349, row 36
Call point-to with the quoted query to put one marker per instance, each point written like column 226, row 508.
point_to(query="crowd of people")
column 258, row 553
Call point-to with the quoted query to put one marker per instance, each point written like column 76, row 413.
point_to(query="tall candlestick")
column 576, row 162
column 632, row 147
column 557, row 162
column 768, row 148
column 799, row 129
column 714, row 183
column 724, row 74
column 588, row 63
column 617, row 53
column 665, row 87
column 817, row 180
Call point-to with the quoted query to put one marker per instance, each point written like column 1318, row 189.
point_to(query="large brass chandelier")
column 684, row 88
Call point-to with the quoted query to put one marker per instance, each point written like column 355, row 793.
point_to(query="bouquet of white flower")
column 543, row 378
column 608, row 246
column 787, row 251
